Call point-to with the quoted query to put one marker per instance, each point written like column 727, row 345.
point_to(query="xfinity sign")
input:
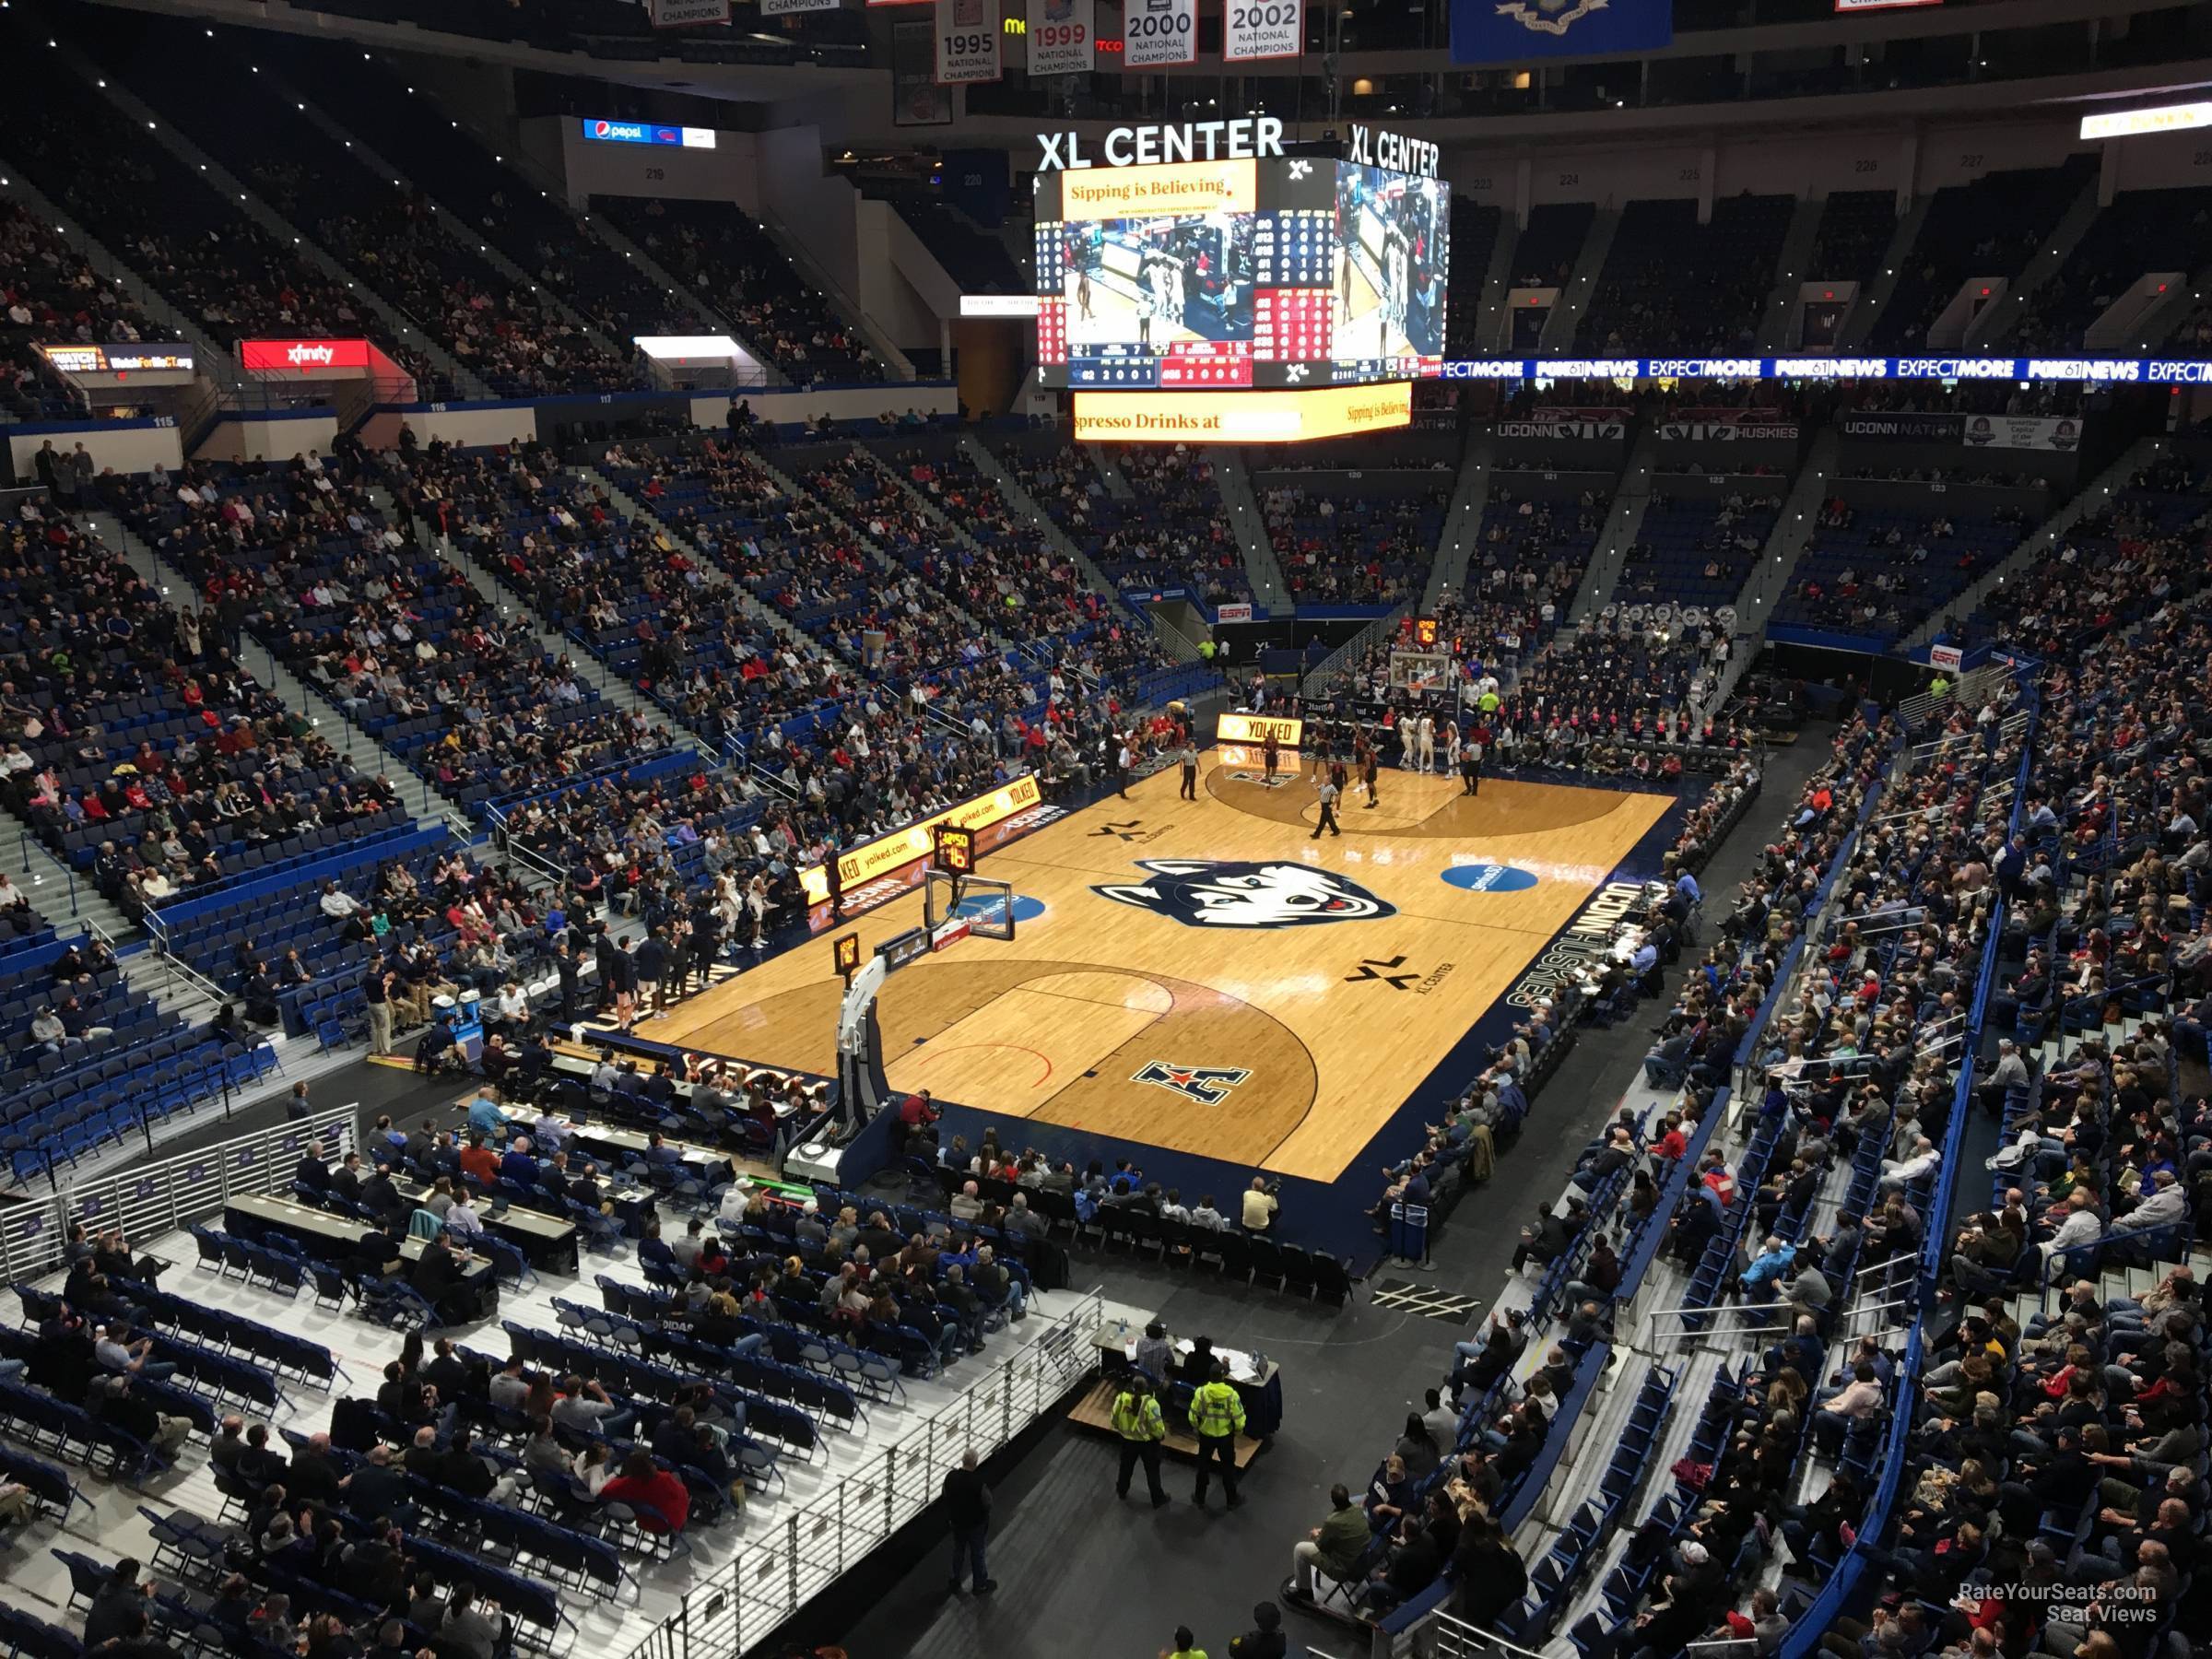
column 1256, row 138
column 1392, row 152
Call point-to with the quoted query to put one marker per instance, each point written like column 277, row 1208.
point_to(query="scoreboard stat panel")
column 1207, row 363
column 1052, row 258
column 1293, row 248
column 1292, row 325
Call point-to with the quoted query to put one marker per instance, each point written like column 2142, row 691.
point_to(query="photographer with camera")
column 1261, row 1204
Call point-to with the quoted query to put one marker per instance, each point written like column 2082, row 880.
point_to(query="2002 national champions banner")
column 1253, row 29
column 1499, row 32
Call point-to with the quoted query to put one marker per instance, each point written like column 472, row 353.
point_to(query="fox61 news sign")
column 1060, row 37
column 968, row 42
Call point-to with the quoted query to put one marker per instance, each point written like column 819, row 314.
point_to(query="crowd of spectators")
column 137, row 744
column 188, row 242
column 391, row 635
column 2113, row 565
column 726, row 258
column 50, row 296
column 1340, row 548
column 1879, row 570
column 1173, row 533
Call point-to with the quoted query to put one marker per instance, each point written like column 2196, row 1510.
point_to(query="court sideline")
column 1349, row 1377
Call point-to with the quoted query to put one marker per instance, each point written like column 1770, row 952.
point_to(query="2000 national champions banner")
column 1158, row 31
column 967, row 41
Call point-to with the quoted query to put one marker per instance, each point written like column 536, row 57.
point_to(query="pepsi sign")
column 599, row 131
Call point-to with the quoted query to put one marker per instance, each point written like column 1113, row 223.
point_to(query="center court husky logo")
column 1208, row 892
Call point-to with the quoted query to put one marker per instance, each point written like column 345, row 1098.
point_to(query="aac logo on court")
column 1208, row 1085
column 1490, row 877
column 1213, row 893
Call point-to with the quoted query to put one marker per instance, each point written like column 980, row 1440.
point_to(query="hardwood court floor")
column 1203, row 977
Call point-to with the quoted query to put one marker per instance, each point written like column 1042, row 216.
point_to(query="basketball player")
column 1425, row 740
column 1144, row 317
column 1188, row 754
column 1409, row 742
column 1450, row 745
column 1270, row 752
column 1083, row 294
column 1328, row 810
column 1369, row 765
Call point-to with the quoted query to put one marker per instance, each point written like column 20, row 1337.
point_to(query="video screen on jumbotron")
column 1283, row 272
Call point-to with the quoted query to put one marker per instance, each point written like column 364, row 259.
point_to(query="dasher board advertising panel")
column 1269, row 271
column 1238, row 417
column 900, row 858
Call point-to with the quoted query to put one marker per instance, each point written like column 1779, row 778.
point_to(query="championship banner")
column 1158, row 31
column 1060, row 37
column 688, row 14
column 968, row 42
column 916, row 98
column 1486, row 31
column 786, row 9
column 1253, row 29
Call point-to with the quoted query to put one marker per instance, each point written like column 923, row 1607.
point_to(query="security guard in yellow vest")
column 1137, row 1419
column 1217, row 1418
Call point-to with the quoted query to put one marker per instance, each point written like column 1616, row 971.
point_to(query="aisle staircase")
column 1769, row 577
column 1623, row 520
column 1791, row 269
column 1566, row 315
column 1874, row 295
column 1270, row 593
column 1462, row 532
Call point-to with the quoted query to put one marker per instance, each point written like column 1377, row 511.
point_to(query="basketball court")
column 1202, row 976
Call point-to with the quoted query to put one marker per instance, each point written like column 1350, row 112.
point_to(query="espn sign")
column 304, row 356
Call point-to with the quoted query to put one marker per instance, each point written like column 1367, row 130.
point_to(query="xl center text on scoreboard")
column 1182, row 259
